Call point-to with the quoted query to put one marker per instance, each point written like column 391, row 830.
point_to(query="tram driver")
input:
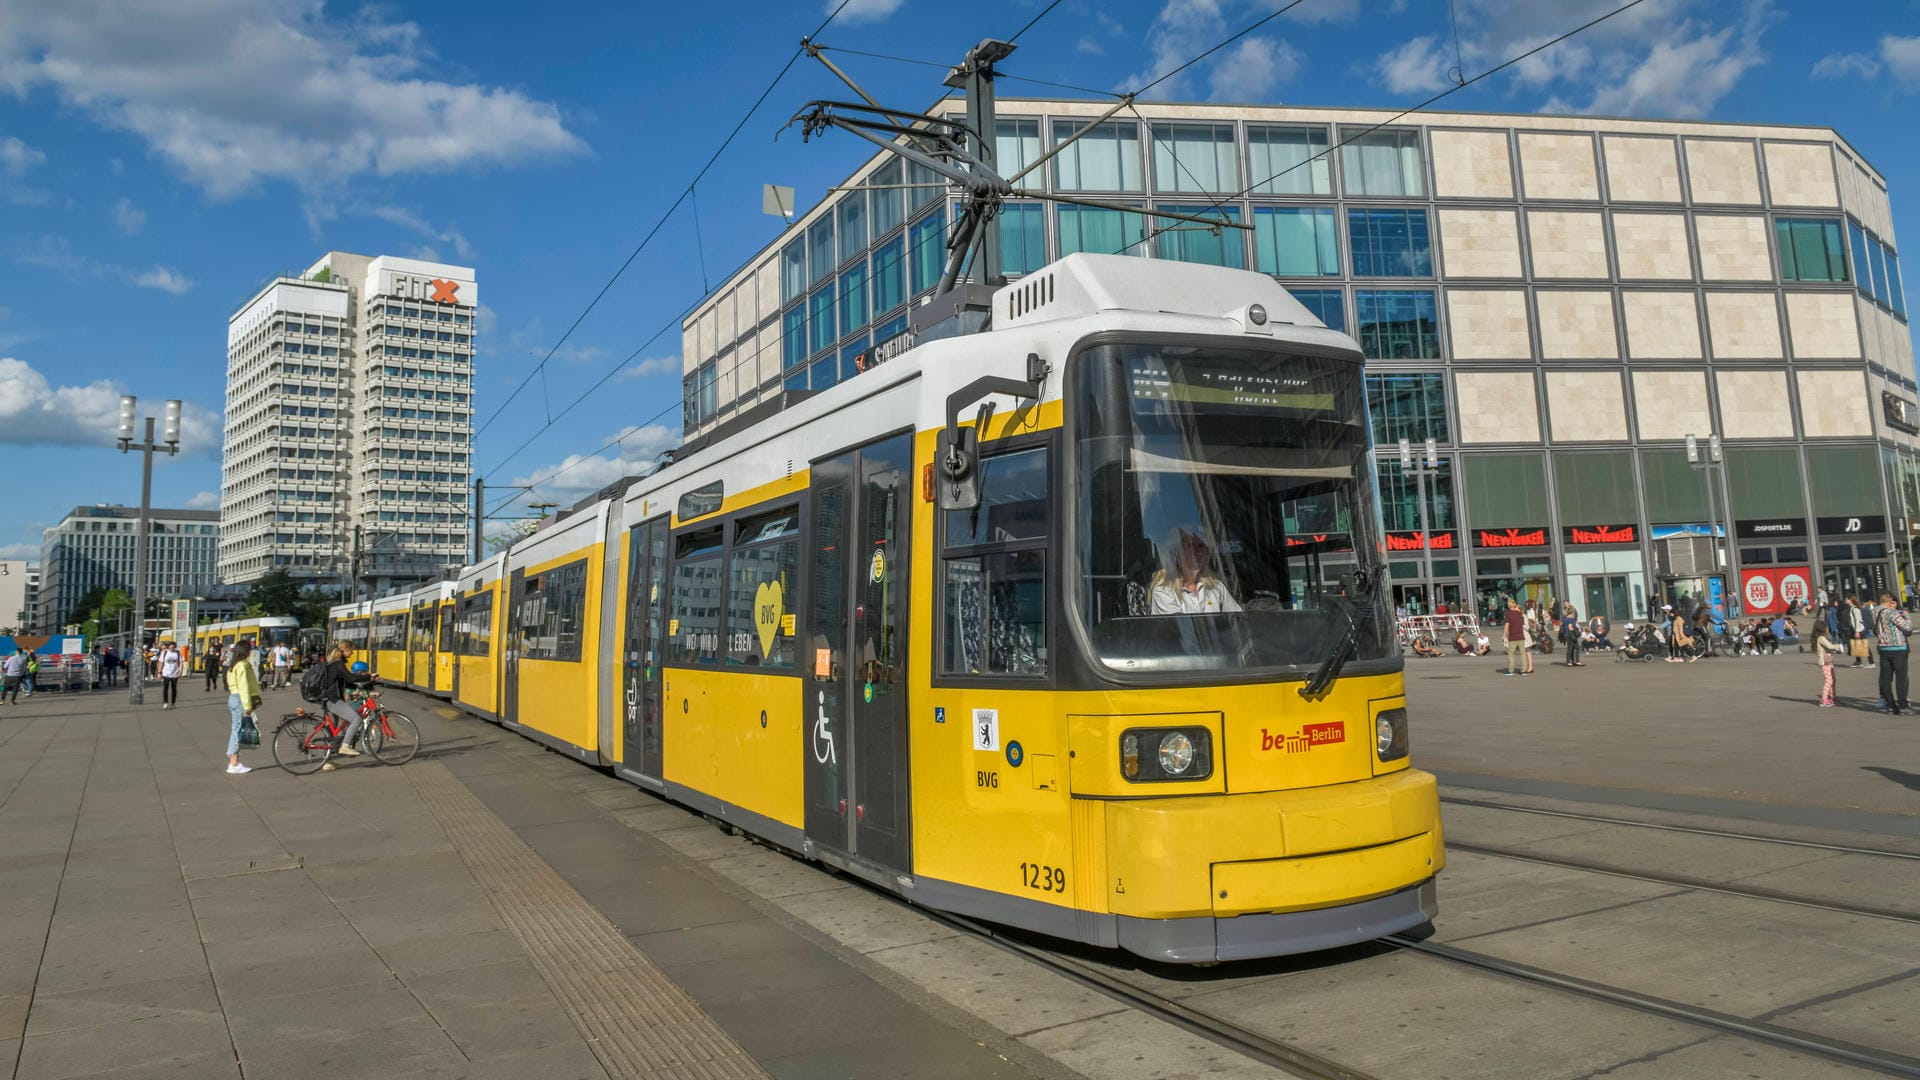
column 1185, row 584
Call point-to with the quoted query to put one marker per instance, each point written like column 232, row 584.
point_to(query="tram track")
column 1724, row 1023
column 1688, row 882
column 1722, row 834
column 1264, row 1049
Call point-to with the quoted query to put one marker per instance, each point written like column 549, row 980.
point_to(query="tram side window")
column 475, row 626
column 994, row 593
column 693, row 624
column 446, row 628
column 551, row 609
column 390, row 632
column 762, row 582
column 421, row 635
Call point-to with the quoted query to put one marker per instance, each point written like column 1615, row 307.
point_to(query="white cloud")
column 204, row 500
column 1415, row 67
column 233, row 91
column 51, row 252
column 1902, row 56
column 33, row 411
column 859, row 10
column 1840, row 65
column 1662, row 58
column 407, row 219
column 127, row 217
column 1089, row 46
column 1182, row 30
column 656, row 365
column 578, row 354
column 164, row 278
column 27, row 551
column 577, row 475
column 17, row 157
column 1250, row 70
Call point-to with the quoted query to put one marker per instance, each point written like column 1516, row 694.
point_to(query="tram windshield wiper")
column 1346, row 643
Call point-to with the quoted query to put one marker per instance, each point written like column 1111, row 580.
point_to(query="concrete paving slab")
column 862, row 921
column 925, row 1052
column 505, row 980
column 388, row 875
column 91, row 1051
column 274, row 974
column 451, row 910
column 482, row 1029
column 565, row 1062
column 988, row 983
column 1483, row 894
column 800, row 1023
column 774, row 875
column 1881, row 1014
column 797, row 968
column 435, row 953
column 1724, row 1057
column 748, row 937
column 396, row 1047
column 191, row 995
column 1127, row 1044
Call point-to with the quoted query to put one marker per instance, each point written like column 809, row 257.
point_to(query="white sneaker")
column 236, row 770
column 347, row 751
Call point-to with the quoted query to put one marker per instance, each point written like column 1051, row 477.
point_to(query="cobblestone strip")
column 635, row 1020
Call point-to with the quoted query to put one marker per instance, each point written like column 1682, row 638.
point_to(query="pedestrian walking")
column 210, row 664
column 1827, row 648
column 15, row 670
column 243, row 697
column 1517, row 641
column 171, row 665
column 33, row 673
column 1891, row 625
column 1570, row 633
column 1860, row 629
column 282, row 664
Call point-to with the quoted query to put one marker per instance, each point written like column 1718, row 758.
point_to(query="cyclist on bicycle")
column 338, row 679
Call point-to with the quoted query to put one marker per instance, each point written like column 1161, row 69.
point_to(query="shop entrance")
column 1611, row 596
column 1858, row 579
column 1520, row 579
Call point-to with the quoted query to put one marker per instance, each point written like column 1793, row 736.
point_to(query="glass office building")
column 1557, row 301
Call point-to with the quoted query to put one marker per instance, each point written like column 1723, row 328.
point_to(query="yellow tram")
column 1111, row 660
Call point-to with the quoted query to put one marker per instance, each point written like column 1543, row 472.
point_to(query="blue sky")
column 158, row 160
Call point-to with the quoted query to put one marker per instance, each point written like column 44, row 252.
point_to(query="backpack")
column 313, row 684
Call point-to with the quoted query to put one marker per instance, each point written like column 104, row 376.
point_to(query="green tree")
column 88, row 606
column 510, row 535
column 314, row 604
column 275, row 593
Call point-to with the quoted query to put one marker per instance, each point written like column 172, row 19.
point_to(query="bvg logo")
column 443, row 291
column 1311, row 735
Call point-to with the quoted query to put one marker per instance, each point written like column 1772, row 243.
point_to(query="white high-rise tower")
column 349, row 423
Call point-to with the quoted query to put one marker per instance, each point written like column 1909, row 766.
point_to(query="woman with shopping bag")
column 243, row 697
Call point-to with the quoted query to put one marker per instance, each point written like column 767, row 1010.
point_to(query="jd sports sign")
column 1864, row 525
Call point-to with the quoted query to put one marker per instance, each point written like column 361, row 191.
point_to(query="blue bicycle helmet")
column 359, row 667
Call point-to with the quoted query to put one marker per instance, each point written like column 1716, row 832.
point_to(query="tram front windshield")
column 1225, row 504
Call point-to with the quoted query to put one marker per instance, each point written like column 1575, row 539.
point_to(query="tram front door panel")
column 640, row 655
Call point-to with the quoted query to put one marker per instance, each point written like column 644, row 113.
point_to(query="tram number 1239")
column 1051, row 879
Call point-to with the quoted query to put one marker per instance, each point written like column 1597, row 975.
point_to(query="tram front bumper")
column 1275, row 852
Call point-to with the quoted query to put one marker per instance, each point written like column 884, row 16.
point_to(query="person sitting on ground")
column 1423, row 645
column 1461, row 645
column 1764, row 639
column 1481, row 645
column 1601, row 629
column 1786, row 633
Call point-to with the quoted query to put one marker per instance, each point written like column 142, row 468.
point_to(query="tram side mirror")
column 959, row 480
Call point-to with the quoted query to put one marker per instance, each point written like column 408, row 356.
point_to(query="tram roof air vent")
column 1083, row 284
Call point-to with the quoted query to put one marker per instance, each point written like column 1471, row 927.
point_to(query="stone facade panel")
column 1662, row 325
column 1577, row 324
column 1641, row 168
column 1671, row 404
column 1834, row 404
column 1497, row 407
column 1801, row 174
column 1470, row 164
column 1744, row 325
column 1723, row 171
column 1652, row 247
column 1479, row 243
column 1734, row 247
column 1754, row 405
column 1567, row 243
column 1586, row 406
column 1822, row 326
column 1558, row 166
column 1489, row 324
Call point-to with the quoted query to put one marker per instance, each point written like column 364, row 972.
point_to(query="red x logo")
column 443, row 291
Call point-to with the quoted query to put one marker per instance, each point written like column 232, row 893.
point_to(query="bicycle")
column 305, row 741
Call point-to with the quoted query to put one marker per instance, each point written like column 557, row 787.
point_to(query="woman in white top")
column 170, row 667
column 1185, row 584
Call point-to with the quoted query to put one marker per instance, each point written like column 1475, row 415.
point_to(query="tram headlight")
column 1160, row 754
column 1390, row 734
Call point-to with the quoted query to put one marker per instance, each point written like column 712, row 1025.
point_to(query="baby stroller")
column 1640, row 644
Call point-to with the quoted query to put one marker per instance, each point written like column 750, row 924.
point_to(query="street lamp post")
column 129, row 405
column 1429, row 466
column 1706, row 464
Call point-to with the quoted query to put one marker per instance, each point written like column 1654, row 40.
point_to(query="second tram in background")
column 1111, row 661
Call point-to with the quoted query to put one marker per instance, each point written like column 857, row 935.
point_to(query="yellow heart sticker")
column 766, row 615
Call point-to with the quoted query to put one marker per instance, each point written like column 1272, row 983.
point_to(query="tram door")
column 857, row 790
column 408, row 643
column 444, row 649
column 510, row 649
column 640, row 700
